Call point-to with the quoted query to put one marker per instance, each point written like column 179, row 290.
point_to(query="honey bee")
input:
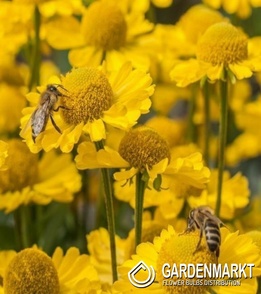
column 45, row 109
column 202, row 218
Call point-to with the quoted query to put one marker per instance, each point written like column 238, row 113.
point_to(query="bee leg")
column 55, row 125
column 199, row 241
column 188, row 230
column 62, row 107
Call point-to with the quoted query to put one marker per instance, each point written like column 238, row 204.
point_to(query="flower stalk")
column 140, row 189
column 222, row 141
column 207, row 121
column 108, row 193
column 36, row 56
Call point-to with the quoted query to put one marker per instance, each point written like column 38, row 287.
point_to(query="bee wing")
column 27, row 125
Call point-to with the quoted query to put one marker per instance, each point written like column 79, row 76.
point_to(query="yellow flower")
column 235, row 194
column 242, row 8
column 251, row 219
column 92, row 101
column 170, row 130
column 99, row 249
column 33, row 271
column 109, row 29
column 185, row 175
column 140, row 150
column 143, row 5
column 12, row 103
column 221, row 48
column 3, row 155
column 247, row 144
column 15, row 26
column 27, row 179
column 173, row 248
column 196, row 20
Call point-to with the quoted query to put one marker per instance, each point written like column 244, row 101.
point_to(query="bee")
column 45, row 109
column 202, row 218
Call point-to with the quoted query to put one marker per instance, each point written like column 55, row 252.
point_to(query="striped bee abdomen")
column 212, row 234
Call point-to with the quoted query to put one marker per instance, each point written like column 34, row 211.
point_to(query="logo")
column 145, row 283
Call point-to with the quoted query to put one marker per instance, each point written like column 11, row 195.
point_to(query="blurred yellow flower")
column 222, row 47
column 173, row 248
column 15, row 27
column 93, row 99
column 248, row 143
column 196, row 20
column 235, row 194
column 109, row 30
column 242, row 8
column 33, row 271
column 27, row 179
column 172, row 130
column 3, row 155
column 12, row 103
column 98, row 243
column 144, row 5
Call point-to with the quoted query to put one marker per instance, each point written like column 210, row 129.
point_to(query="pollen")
column 89, row 95
column 222, row 43
column 104, row 26
column 22, row 168
column 143, row 147
column 182, row 249
column 31, row 271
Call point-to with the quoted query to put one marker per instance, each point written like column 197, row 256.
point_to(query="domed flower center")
column 31, row 271
column 89, row 94
column 104, row 26
column 143, row 147
column 181, row 249
column 22, row 168
column 222, row 43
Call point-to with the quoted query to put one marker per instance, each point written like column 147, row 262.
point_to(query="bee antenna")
column 60, row 86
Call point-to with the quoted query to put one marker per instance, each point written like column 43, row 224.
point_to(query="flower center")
column 104, row 26
column 89, row 95
column 222, row 43
column 143, row 147
column 22, row 168
column 31, row 271
column 181, row 249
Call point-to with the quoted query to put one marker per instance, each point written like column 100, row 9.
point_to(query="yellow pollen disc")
column 22, row 167
column 104, row 26
column 89, row 94
column 222, row 43
column 31, row 271
column 181, row 249
column 143, row 147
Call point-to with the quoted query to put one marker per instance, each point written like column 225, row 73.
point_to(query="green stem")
column 25, row 226
column 36, row 56
column 222, row 140
column 108, row 193
column 207, row 122
column 140, row 189
column 191, row 134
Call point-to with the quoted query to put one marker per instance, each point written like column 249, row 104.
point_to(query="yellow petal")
column 125, row 175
